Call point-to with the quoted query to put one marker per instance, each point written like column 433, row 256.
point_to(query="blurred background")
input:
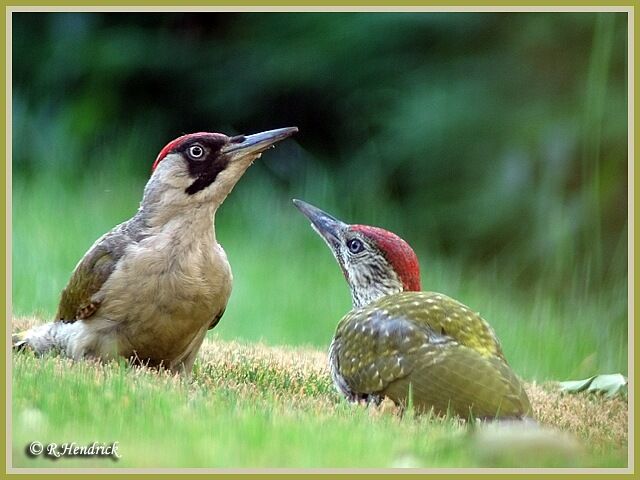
column 495, row 144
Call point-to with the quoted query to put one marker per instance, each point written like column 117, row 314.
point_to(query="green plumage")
column 449, row 355
column 87, row 279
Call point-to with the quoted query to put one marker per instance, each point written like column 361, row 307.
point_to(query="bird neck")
column 168, row 209
column 364, row 294
column 195, row 222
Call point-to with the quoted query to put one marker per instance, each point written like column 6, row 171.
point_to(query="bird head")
column 204, row 167
column 374, row 261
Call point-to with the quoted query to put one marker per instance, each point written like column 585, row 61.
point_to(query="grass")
column 288, row 289
column 253, row 402
column 252, row 405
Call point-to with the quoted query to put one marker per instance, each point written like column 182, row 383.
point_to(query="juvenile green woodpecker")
column 151, row 287
column 399, row 339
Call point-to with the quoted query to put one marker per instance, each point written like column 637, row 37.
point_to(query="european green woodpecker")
column 399, row 339
column 151, row 287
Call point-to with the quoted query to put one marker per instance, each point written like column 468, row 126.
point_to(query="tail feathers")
column 74, row 340
column 39, row 339
column 18, row 341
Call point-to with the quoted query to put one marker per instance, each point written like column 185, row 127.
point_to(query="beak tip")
column 259, row 142
column 285, row 132
column 304, row 207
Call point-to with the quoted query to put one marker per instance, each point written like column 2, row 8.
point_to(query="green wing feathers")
column 463, row 382
column 77, row 299
column 443, row 315
column 449, row 355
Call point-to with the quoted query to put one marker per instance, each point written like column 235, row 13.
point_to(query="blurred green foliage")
column 492, row 136
column 493, row 142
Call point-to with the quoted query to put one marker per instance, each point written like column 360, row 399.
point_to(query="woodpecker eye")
column 196, row 152
column 355, row 246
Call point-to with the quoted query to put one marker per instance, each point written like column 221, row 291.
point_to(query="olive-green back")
column 448, row 353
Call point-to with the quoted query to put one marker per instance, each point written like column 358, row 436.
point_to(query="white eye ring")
column 196, row 151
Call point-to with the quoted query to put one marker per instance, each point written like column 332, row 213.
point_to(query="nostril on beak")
column 237, row 139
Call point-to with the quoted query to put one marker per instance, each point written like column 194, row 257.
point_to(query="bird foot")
column 384, row 407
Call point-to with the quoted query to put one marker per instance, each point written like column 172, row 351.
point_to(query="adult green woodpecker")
column 151, row 287
column 399, row 339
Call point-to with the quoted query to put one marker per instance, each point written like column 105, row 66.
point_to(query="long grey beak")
column 328, row 227
column 256, row 143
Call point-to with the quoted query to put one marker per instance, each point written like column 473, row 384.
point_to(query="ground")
column 252, row 405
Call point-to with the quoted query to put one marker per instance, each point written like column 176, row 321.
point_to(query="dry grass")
column 598, row 420
column 300, row 377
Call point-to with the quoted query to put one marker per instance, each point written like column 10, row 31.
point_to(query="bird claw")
column 386, row 406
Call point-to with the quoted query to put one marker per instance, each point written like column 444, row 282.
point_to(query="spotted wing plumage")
column 448, row 354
